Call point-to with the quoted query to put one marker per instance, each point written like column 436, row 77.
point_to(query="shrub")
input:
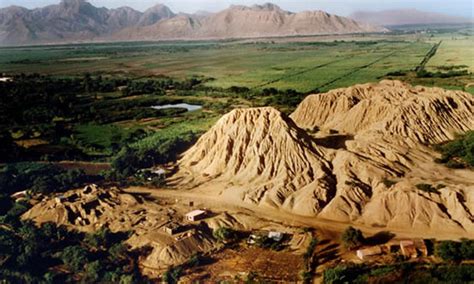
column 75, row 257
column 310, row 249
column 388, row 183
column 352, row 238
column 427, row 188
column 335, row 275
column 172, row 275
column 458, row 153
column 223, row 234
column 456, row 251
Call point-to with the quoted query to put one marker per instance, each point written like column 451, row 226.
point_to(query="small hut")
column 421, row 247
column 408, row 249
column 196, row 215
column 371, row 251
column 276, row 236
column 172, row 228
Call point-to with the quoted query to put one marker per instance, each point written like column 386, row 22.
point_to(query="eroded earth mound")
column 363, row 153
column 93, row 207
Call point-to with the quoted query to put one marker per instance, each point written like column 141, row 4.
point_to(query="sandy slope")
column 262, row 157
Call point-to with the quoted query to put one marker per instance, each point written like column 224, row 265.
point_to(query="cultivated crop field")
column 303, row 66
column 457, row 50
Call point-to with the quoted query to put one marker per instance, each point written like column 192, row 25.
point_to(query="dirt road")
column 328, row 228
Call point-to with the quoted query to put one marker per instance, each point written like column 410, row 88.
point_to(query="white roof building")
column 276, row 236
column 195, row 215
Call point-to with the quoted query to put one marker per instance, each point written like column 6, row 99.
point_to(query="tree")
column 75, row 257
column 335, row 275
column 6, row 203
column 449, row 250
column 223, row 234
column 467, row 249
column 126, row 162
column 100, row 239
column 92, row 272
column 352, row 238
column 172, row 275
column 456, row 251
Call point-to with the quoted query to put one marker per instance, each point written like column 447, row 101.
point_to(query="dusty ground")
column 234, row 264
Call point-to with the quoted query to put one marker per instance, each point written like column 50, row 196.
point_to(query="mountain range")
column 78, row 20
column 401, row 17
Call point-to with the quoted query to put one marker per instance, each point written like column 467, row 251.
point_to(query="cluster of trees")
column 40, row 178
column 224, row 234
column 453, row 73
column 282, row 98
column 458, row 153
column 130, row 159
column 35, row 99
column 456, row 251
column 288, row 98
column 160, row 86
column 352, row 238
column 399, row 273
column 9, row 151
column 174, row 273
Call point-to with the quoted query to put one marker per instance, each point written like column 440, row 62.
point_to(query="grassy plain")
column 303, row 65
column 455, row 50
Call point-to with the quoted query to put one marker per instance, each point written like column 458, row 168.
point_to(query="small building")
column 276, row 236
column 89, row 189
column 172, row 228
column 253, row 239
column 364, row 253
column 196, row 215
column 19, row 195
column 413, row 248
column 60, row 199
column 159, row 172
column 408, row 249
column 421, row 247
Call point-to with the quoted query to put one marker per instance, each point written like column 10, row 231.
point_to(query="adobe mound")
column 265, row 158
column 419, row 114
column 366, row 174
column 94, row 207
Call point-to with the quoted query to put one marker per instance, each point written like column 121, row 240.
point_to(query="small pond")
column 183, row 105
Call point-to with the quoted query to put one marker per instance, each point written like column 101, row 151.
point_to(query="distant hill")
column 78, row 20
column 242, row 21
column 406, row 17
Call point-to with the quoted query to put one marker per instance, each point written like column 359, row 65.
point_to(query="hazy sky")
column 341, row 7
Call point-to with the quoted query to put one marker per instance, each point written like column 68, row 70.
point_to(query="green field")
column 454, row 51
column 302, row 66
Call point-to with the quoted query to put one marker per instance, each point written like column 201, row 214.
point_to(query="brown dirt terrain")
column 231, row 263
column 145, row 212
column 260, row 156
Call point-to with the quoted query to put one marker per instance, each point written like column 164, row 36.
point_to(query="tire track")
column 353, row 71
column 299, row 73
